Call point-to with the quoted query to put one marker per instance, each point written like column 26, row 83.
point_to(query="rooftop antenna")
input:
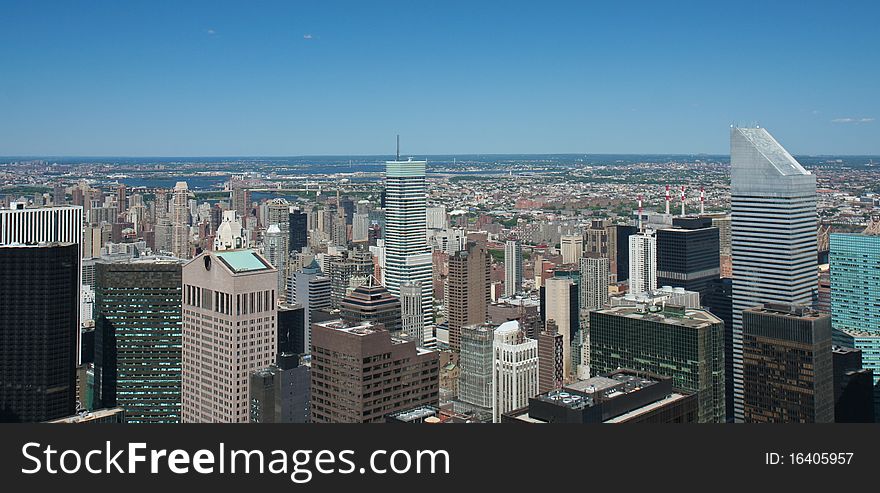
column 702, row 201
column 640, row 213
column 398, row 147
column 668, row 198
column 682, row 201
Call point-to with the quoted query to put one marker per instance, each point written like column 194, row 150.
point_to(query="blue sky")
column 214, row 78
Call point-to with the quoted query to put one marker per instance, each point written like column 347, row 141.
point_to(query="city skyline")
column 290, row 79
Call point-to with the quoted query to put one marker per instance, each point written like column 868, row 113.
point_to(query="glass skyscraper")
column 855, row 298
column 138, row 338
column 407, row 255
column 773, row 233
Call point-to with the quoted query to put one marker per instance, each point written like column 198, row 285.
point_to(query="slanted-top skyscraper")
column 773, row 233
column 407, row 255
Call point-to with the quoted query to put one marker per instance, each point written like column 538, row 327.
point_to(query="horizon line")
column 281, row 156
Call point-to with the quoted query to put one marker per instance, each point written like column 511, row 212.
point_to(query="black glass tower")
column 299, row 230
column 39, row 313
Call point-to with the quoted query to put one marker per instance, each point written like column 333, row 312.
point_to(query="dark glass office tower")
column 853, row 387
column 688, row 255
column 720, row 303
column 685, row 344
column 788, row 375
column 39, row 314
column 299, row 230
column 622, row 250
column 138, row 339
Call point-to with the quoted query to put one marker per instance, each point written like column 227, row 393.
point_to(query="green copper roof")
column 242, row 260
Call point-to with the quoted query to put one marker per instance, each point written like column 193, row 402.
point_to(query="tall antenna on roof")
column 398, row 147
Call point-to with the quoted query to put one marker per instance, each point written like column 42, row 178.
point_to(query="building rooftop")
column 242, row 260
column 668, row 314
column 788, row 310
column 775, row 154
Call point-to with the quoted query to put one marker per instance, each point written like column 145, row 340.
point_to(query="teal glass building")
column 855, row 298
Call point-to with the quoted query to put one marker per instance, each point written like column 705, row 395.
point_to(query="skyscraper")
column 407, row 256
column 342, row 269
column 476, row 362
column 561, row 303
column 467, row 290
column 514, row 371
column 240, row 198
column 513, row 267
column 412, row 317
column 361, row 373
column 280, row 392
column 299, row 229
column 773, row 233
column 853, row 387
column 595, row 274
column 642, row 262
column 688, row 255
column 229, row 331
column 685, row 344
column 309, row 288
column 138, row 338
column 572, row 248
column 788, row 375
column 550, row 368
column 180, row 218
column 39, row 329
column 855, row 289
column 276, row 254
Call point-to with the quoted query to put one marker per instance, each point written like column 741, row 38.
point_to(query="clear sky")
column 273, row 78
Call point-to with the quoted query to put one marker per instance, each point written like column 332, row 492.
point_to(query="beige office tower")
column 180, row 221
column 572, row 248
column 229, row 331
column 560, row 295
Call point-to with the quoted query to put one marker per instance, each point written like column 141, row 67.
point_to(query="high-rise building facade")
column 561, row 305
column 688, row 255
column 412, row 323
column 855, row 291
column 467, row 290
column 595, row 275
column 513, row 267
column 853, row 387
column 342, row 269
column 180, row 219
column 788, row 375
column 773, row 233
column 514, row 371
column 685, row 344
column 360, row 374
column 550, row 353
column 476, row 362
column 138, row 338
column 298, row 225
column 276, row 253
column 572, row 248
column 407, row 256
column 309, row 288
column 642, row 262
column 39, row 330
column 229, row 331
column 280, row 392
